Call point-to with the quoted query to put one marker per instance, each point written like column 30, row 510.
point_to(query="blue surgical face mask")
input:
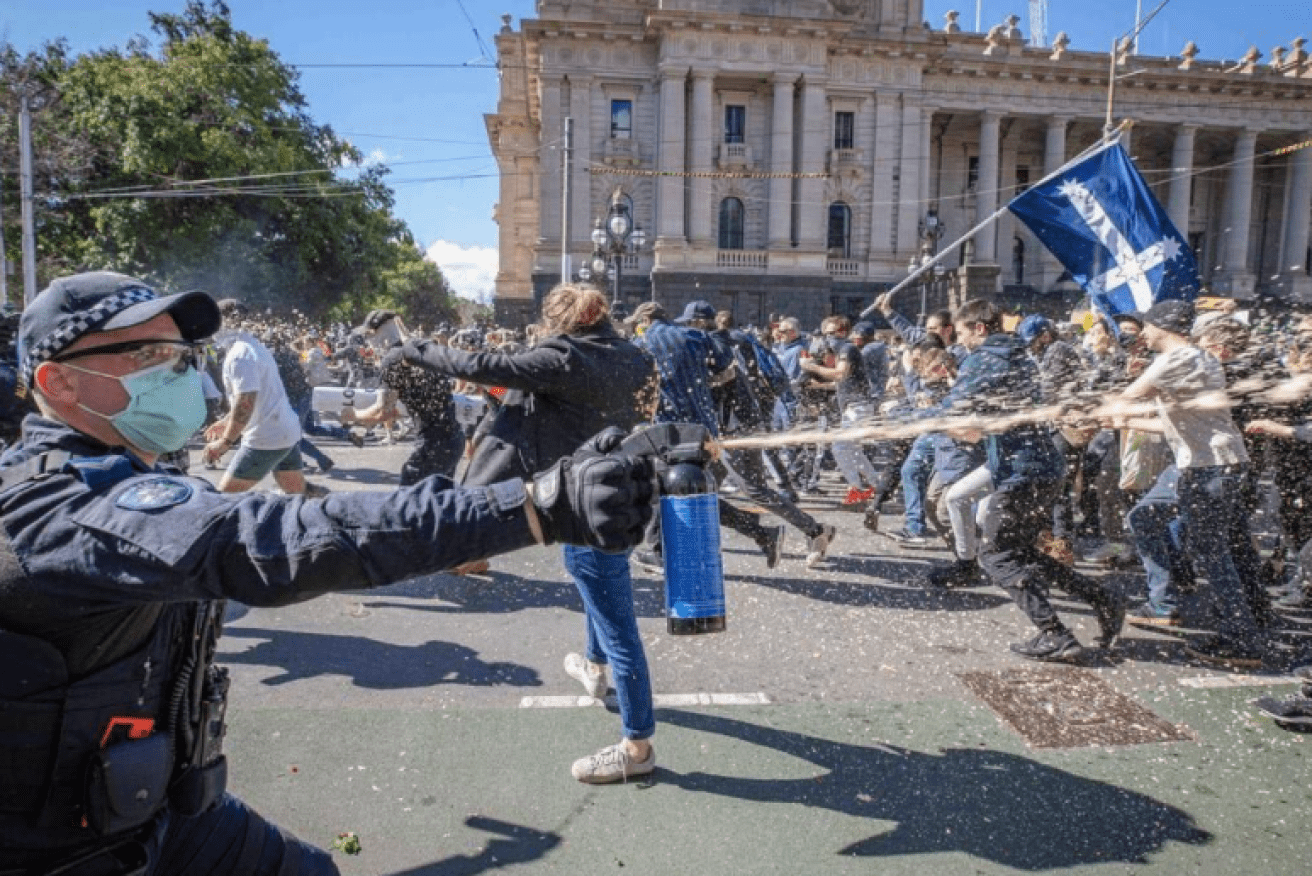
column 165, row 407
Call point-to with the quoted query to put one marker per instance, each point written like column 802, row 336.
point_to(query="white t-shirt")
column 1199, row 437
column 249, row 367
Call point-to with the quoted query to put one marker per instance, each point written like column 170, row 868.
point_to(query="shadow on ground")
column 370, row 663
column 996, row 806
column 496, row 592
column 519, row 846
column 873, row 591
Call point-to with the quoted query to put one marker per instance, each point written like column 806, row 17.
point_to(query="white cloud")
column 471, row 270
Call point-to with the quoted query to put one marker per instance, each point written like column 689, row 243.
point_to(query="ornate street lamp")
column 931, row 232
column 611, row 239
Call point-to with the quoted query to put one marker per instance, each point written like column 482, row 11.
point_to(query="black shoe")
column 871, row 521
column 650, row 560
column 1111, row 618
column 326, row 466
column 773, row 546
column 1294, row 713
column 961, row 573
column 356, row 438
column 1050, row 647
column 1223, row 652
column 789, row 496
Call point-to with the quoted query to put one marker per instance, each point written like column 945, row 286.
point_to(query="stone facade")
column 784, row 155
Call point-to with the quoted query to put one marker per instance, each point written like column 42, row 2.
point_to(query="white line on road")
column 659, row 700
column 1217, row 681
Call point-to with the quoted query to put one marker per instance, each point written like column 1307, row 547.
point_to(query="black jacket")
column 562, row 391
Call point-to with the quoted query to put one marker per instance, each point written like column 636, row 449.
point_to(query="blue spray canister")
column 690, row 525
column 690, row 544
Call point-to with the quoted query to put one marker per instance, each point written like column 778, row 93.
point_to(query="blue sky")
column 428, row 123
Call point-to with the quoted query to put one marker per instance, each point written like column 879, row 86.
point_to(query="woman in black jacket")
column 580, row 378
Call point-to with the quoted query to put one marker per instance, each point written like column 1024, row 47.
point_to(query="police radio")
column 689, row 522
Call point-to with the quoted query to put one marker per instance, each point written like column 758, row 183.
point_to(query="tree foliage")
column 197, row 165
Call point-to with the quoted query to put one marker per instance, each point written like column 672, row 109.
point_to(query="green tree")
column 199, row 166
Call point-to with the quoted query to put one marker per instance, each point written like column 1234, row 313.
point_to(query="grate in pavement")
column 1065, row 707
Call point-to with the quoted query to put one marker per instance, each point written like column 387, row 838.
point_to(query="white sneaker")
column 612, row 764
column 580, row 670
column 820, row 547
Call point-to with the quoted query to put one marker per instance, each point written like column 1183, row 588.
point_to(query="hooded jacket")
column 1000, row 377
column 561, row 392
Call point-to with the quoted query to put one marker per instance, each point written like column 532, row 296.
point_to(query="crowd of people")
column 1164, row 434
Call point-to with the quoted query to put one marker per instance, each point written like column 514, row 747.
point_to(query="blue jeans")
column 607, row 590
column 1158, row 536
column 1214, row 511
column 916, row 472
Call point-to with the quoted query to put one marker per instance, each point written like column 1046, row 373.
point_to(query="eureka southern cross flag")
column 1102, row 222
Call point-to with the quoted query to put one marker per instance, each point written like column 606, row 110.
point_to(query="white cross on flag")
column 1101, row 221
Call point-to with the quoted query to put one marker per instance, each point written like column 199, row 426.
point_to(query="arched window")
column 840, row 230
column 1018, row 261
column 731, row 224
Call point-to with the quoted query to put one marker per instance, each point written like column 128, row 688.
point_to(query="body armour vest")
column 96, row 745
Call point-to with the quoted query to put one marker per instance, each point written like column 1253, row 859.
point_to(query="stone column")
column 1054, row 156
column 781, row 161
column 553, row 144
column 986, row 188
column 701, row 137
column 1182, row 178
column 1298, row 209
column 1235, row 280
column 813, row 212
column 909, row 208
column 669, row 157
column 584, row 208
column 885, row 149
column 1007, row 224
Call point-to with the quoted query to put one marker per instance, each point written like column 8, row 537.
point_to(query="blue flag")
column 1102, row 222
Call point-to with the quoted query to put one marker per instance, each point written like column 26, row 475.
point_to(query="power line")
column 481, row 47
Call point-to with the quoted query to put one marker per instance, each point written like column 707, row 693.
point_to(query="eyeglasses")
column 145, row 353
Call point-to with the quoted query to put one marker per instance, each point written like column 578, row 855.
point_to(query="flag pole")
column 1107, row 140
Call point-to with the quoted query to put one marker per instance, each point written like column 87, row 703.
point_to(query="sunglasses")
column 145, row 353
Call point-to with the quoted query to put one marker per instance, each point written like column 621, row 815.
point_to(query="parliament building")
column 799, row 156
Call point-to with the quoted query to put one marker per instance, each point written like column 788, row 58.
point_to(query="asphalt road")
column 831, row 729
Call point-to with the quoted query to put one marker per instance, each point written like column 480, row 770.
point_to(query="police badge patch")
column 154, row 494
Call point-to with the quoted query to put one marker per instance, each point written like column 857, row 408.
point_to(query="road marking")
column 1218, row 681
column 659, row 700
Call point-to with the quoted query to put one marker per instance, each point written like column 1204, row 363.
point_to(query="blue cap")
column 697, row 310
column 1032, row 326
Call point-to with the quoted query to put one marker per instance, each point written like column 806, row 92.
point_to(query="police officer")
column 114, row 570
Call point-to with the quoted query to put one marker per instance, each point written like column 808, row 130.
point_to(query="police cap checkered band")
column 74, row 306
column 75, row 325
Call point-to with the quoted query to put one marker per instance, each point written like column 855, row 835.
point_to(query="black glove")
column 599, row 497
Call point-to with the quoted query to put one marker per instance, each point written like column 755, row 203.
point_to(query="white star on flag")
column 1131, row 267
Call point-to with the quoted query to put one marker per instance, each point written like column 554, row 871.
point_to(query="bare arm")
column 227, row 431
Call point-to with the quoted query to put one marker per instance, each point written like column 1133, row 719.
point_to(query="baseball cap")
column 1032, row 326
column 1172, row 315
column 103, row 301
column 863, row 329
column 697, row 310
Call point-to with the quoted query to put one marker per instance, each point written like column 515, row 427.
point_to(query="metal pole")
column 25, row 184
column 1108, row 126
column 566, row 171
column 4, row 264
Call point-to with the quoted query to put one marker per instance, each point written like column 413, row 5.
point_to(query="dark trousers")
column 1014, row 563
column 896, row 453
column 437, row 451
column 748, row 471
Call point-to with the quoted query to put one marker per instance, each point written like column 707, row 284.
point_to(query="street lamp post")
column 611, row 239
column 931, row 232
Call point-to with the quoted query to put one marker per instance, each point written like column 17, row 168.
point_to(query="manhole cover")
column 1064, row 707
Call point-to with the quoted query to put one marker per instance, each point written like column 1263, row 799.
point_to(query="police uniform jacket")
column 105, row 566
